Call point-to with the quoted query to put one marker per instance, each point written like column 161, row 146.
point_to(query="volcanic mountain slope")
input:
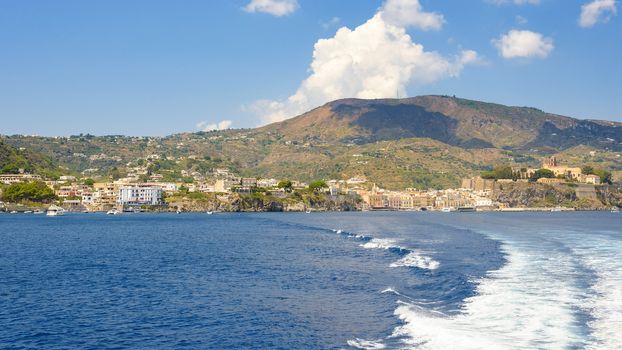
column 454, row 121
column 427, row 141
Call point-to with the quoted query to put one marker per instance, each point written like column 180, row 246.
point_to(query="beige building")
column 8, row 179
column 560, row 170
column 590, row 179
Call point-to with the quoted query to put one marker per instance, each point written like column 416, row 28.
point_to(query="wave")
column 412, row 258
column 381, row 243
column 389, row 291
column 366, row 344
column 416, row 259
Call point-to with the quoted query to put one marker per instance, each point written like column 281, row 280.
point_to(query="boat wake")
column 514, row 307
column 604, row 302
column 411, row 257
column 538, row 299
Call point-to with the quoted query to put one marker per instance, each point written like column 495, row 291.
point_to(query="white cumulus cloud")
column 207, row 126
column 597, row 11
column 406, row 13
column 523, row 44
column 377, row 59
column 273, row 7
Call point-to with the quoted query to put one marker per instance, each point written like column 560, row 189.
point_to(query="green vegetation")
column 499, row 172
column 605, row 176
column 542, row 173
column 13, row 160
column 317, row 185
column 287, row 185
column 30, row 191
column 337, row 141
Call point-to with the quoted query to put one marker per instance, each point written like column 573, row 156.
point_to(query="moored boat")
column 55, row 210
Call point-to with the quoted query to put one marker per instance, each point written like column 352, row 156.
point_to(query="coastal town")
column 553, row 186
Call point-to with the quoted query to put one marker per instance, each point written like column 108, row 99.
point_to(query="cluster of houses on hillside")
column 474, row 194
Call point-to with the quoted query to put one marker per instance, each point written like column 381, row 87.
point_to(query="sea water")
column 374, row 280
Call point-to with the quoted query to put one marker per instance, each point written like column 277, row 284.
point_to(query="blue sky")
column 148, row 67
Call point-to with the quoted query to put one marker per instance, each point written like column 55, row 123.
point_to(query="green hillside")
column 427, row 141
column 13, row 160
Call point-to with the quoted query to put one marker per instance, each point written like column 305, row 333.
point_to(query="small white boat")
column 615, row 210
column 308, row 211
column 55, row 210
column 113, row 212
column 210, row 212
column 178, row 211
column 28, row 212
column 446, row 210
column 13, row 212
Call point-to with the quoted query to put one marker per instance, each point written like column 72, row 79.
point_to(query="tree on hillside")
column 287, row 185
column 499, row 172
column 542, row 173
column 605, row 175
column 317, row 185
column 30, row 191
column 587, row 170
column 503, row 172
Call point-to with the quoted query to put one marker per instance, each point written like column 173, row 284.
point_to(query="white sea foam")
column 366, row 344
column 417, row 259
column 412, row 259
column 526, row 304
column 604, row 302
column 381, row 243
column 389, row 290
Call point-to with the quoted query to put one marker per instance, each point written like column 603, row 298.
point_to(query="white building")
column 135, row 195
column 87, row 198
column 267, row 183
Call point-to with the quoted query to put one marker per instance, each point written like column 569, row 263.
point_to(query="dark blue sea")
column 374, row 280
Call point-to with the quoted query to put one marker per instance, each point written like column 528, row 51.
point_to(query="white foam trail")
column 366, row 344
column 527, row 304
column 380, row 243
column 412, row 259
column 605, row 298
column 417, row 259
column 389, row 290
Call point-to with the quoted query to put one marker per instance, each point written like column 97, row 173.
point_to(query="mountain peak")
column 449, row 119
